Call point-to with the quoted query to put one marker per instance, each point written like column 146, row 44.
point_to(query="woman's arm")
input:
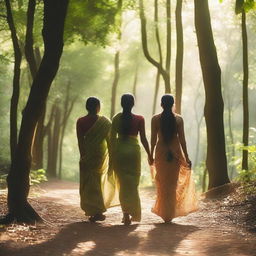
column 112, row 137
column 110, row 154
column 153, row 136
column 144, row 140
column 80, row 139
column 183, row 140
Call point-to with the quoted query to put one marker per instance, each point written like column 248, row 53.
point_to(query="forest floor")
column 223, row 226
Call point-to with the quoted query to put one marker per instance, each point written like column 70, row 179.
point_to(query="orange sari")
column 176, row 195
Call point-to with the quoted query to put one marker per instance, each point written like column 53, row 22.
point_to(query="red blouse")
column 137, row 124
column 84, row 123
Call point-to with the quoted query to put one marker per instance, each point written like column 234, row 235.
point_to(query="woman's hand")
column 150, row 160
column 189, row 163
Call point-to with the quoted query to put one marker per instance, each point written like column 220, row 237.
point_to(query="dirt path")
column 206, row 232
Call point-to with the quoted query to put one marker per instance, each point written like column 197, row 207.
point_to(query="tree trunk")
column 37, row 147
column 37, row 55
column 52, row 171
column 157, row 84
column 157, row 81
column 216, row 161
column 204, row 180
column 135, row 82
column 16, row 80
column 232, row 150
column 53, row 142
column 168, row 37
column 18, row 177
column 245, row 92
column 68, row 106
column 199, row 122
column 144, row 40
column 179, row 56
column 29, row 42
column 114, row 85
column 34, row 62
column 48, row 130
column 116, row 61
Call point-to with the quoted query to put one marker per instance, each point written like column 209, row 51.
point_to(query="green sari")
column 126, row 162
column 97, row 187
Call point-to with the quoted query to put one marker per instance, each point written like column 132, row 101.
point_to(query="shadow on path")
column 164, row 239
column 83, row 238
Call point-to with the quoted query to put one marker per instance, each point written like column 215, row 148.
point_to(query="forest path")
column 67, row 233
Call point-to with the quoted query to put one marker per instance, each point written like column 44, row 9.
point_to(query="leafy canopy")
column 90, row 20
column 245, row 5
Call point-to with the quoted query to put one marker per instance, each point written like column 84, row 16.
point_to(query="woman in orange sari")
column 175, row 187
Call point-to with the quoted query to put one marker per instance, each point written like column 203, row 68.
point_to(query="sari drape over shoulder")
column 97, row 187
column 176, row 195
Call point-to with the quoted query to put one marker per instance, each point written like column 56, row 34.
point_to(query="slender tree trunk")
column 163, row 72
column 204, row 180
column 157, row 81
column 37, row 147
column 179, row 56
column 199, row 122
column 157, row 84
column 231, row 140
column 52, row 171
column 53, row 141
column 135, row 82
column 48, row 130
column 34, row 62
column 116, row 62
column 216, row 161
column 18, row 177
column 168, row 37
column 37, row 55
column 69, row 104
column 114, row 85
column 245, row 92
column 29, row 42
column 16, row 80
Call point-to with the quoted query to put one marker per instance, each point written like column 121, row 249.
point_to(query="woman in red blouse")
column 126, row 157
column 93, row 141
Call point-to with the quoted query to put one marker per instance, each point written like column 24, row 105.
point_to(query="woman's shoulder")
column 105, row 119
column 179, row 118
column 81, row 119
column 156, row 117
column 116, row 116
column 138, row 117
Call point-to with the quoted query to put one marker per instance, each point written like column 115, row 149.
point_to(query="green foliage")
column 90, row 20
column 3, row 181
column 199, row 172
column 246, row 5
column 250, row 174
column 37, row 176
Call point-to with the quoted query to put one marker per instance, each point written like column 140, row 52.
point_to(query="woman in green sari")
column 96, row 186
column 126, row 157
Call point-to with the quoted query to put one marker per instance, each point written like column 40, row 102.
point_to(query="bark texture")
column 18, row 177
column 216, row 161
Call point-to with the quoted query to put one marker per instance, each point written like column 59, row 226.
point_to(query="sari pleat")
column 97, row 188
